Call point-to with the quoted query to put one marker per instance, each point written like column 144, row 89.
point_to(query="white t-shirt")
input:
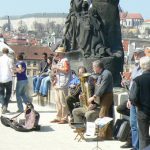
column 63, row 79
column 6, row 69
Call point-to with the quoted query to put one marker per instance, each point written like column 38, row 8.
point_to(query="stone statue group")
column 93, row 27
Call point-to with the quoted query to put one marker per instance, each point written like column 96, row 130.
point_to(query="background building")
column 131, row 19
column 32, row 56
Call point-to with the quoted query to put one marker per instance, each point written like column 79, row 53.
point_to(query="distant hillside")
column 37, row 15
column 29, row 19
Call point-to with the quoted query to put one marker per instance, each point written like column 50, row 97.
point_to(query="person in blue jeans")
column 140, row 97
column 137, row 71
column 22, row 83
column 37, row 83
column 43, row 68
column 46, row 81
column 45, row 85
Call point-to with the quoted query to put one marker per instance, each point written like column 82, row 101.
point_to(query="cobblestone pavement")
column 50, row 137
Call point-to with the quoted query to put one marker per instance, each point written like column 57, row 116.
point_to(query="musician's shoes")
column 71, row 120
column 55, row 121
column 35, row 94
column 63, row 122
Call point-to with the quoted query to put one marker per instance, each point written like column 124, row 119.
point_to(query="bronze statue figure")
column 93, row 27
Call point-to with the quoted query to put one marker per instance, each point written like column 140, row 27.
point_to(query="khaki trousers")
column 105, row 104
column 61, row 104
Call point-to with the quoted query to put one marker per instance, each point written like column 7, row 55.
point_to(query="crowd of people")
column 82, row 97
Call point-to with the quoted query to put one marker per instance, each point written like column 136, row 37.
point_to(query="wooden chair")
column 79, row 130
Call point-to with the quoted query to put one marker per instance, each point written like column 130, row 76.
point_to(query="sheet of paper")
column 103, row 121
column 90, row 128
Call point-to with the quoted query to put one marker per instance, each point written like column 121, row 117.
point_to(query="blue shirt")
column 22, row 75
column 74, row 80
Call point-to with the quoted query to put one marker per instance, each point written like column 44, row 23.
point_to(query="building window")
column 34, row 63
column 28, row 72
column 34, row 72
column 28, row 63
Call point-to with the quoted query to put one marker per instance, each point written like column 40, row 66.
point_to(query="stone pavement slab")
column 52, row 136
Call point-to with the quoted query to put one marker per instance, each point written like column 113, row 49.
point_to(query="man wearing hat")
column 137, row 71
column 63, row 77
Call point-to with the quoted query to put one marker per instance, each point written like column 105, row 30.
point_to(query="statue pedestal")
column 77, row 59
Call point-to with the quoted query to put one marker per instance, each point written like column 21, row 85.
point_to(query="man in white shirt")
column 6, row 72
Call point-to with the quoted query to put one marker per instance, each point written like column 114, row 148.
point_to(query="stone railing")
column 120, row 95
column 42, row 101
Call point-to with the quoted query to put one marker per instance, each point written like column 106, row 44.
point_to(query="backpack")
column 121, row 130
column 30, row 123
column 124, row 131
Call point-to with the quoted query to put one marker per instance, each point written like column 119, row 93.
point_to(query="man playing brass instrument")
column 102, row 100
column 75, row 89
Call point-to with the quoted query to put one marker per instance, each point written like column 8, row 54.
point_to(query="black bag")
column 117, row 127
column 124, row 131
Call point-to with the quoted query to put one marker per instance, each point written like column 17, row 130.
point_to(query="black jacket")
column 140, row 92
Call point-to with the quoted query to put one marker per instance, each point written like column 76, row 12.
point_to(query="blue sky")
column 19, row 7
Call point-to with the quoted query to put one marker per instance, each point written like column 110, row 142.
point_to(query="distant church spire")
column 9, row 24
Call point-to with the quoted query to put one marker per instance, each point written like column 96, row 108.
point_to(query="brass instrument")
column 85, row 88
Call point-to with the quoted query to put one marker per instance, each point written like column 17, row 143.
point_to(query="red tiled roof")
column 134, row 16
column 147, row 20
column 130, row 16
column 17, row 41
column 31, row 52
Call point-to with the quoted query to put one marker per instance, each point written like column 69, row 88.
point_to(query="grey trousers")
column 81, row 115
